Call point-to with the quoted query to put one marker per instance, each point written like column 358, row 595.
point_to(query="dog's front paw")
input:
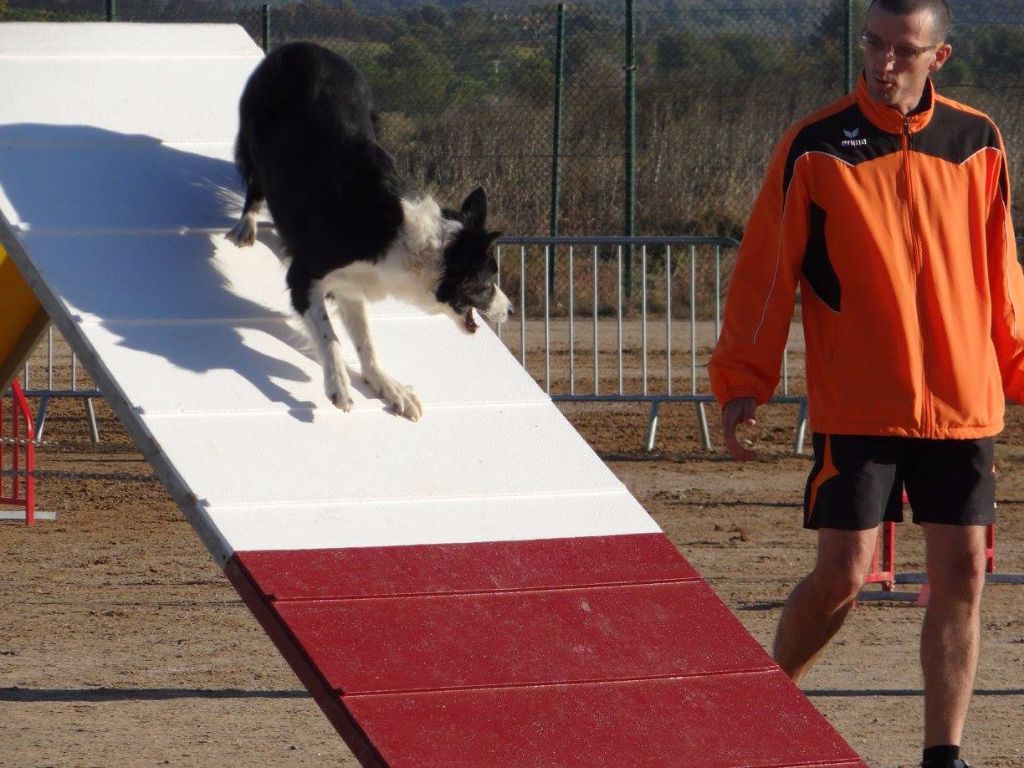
column 337, row 392
column 341, row 400
column 243, row 233
column 401, row 398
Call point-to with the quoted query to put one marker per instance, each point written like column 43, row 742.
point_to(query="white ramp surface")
column 364, row 543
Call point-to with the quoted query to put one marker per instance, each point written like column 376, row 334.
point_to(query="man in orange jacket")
column 890, row 210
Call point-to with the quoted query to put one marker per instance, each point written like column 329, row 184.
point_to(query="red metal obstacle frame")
column 883, row 562
column 18, row 463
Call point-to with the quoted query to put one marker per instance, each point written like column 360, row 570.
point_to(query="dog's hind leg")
column 310, row 302
column 244, row 232
column 400, row 397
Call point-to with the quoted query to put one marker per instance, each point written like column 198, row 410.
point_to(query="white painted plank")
column 170, row 276
column 191, row 368
column 160, row 277
column 447, row 521
column 138, row 183
column 189, row 100
column 116, row 40
column 327, row 457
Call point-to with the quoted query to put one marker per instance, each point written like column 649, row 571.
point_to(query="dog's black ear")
column 492, row 236
column 474, row 208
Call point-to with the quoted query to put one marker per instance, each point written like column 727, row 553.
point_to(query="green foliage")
column 751, row 54
column 991, row 51
column 414, row 79
column 676, row 51
column 531, row 76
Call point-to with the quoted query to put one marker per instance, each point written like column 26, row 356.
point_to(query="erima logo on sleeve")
column 852, row 139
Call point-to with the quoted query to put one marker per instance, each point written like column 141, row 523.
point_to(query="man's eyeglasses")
column 900, row 51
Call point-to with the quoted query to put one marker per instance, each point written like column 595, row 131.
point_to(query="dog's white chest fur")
column 411, row 267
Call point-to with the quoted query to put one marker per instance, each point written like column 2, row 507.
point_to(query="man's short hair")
column 939, row 10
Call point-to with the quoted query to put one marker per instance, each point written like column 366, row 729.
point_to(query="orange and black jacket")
column 897, row 232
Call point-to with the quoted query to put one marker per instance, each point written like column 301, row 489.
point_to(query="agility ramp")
column 475, row 589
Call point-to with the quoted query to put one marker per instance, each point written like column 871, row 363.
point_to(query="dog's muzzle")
column 497, row 311
column 499, row 308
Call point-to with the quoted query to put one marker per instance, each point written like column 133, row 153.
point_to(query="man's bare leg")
column 819, row 604
column 951, row 632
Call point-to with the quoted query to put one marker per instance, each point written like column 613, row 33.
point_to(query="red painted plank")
column 754, row 720
column 477, row 567
column 339, row 716
column 521, row 638
column 532, row 654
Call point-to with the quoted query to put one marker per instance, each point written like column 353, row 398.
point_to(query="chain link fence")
column 530, row 100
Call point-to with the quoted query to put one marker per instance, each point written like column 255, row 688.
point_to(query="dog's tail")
column 243, row 159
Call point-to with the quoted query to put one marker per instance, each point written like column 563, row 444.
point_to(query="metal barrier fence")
column 53, row 371
column 623, row 320
column 596, row 320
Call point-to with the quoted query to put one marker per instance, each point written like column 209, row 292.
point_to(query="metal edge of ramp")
column 112, row 393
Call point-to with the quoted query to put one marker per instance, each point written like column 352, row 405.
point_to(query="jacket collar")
column 889, row 119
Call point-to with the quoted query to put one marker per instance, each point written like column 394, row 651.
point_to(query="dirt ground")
column 121, row 644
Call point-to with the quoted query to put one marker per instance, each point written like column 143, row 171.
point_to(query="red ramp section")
column 473, row 589
column 597, row 651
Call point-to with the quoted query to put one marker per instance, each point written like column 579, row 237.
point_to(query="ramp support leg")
column 801, row 427
column 652, row 426
column 90, row 413
column 702, row 419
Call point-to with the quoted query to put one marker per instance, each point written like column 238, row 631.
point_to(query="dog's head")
column 469, row 270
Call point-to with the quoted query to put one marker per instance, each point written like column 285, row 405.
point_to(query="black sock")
column 940, row 756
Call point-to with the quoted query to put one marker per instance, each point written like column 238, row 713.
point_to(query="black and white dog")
column 307, row 144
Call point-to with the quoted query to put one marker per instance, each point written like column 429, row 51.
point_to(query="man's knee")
column 958, row 575
column 956, row 561
column 836, row 585
column 844, row 558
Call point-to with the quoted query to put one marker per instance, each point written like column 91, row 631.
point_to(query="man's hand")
column 736, row 412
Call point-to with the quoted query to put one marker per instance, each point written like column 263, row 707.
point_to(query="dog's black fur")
column 307, row 144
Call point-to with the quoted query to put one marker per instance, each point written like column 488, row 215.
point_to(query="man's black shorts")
column 858, row 480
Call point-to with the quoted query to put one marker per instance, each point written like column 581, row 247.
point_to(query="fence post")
column 111, row 10
column 630, row 224
column 266, row 27
column 848, row 46
column 556, row 145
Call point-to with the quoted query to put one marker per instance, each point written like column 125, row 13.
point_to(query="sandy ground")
column 121, row 643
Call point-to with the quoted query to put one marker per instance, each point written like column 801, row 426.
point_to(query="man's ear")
column 942, row 54
column 474, row 208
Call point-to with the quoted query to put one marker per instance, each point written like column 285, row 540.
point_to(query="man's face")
column 900, row 51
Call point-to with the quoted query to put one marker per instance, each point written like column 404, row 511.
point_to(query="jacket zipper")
column 917, row 254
